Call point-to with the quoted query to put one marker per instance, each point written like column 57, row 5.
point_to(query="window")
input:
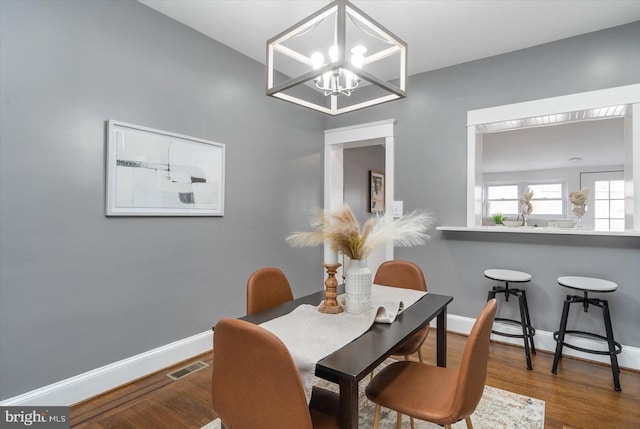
column 548, row 198
column 502, row 199
column 605, row 204
column 609, row 205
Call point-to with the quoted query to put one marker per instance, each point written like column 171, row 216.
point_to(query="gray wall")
column 79, row 290
column 357, row 164
column 431, row 173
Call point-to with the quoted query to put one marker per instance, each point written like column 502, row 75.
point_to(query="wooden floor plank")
column 580, row 396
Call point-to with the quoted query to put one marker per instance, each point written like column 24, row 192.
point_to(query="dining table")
column 357, row 359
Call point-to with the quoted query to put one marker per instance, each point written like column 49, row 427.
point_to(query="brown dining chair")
column 407, row 275
column 266, row 288
column 436, row 394
column 255, row 383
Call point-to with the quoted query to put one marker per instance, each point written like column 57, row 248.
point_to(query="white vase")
column 358, row 287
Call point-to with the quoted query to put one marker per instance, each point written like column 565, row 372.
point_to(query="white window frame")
column 587, row 179
column 522, row 187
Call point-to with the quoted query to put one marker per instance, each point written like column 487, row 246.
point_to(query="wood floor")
column 581, row 396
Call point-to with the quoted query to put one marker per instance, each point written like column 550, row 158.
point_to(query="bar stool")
column 586, row 285
column 511, row 276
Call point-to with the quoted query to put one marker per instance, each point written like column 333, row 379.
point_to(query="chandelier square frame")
column 299, row 89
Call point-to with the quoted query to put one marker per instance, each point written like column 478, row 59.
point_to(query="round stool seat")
column 507, row 275
column 587, row 283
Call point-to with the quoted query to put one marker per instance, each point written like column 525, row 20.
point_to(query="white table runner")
column 310, row 335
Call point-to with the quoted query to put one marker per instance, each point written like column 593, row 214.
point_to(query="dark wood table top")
column 366, row 352
column 358, row 358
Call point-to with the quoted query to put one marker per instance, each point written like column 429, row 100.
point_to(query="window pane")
column 617, row 225
column 553, row 207
column 508, row 192
column 617, row 209
column 553, row 190
column 602, row 224
column 617, row 189
column 504, row 207
column 601, row 209
column 602, row 190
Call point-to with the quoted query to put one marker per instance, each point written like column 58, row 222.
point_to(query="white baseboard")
column 84, row 386
column 629, row 358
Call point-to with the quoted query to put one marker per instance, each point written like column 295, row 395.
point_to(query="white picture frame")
column 158, row 173
column 376, row 192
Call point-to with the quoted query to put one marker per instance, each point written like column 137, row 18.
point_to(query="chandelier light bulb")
column 326, row 80
column 357, row 55
column 333, row 53
column 317, row 60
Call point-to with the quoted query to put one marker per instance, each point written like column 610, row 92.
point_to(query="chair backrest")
column 266, row 288
column 473, row 367
column 398, row 273
column 255, row 383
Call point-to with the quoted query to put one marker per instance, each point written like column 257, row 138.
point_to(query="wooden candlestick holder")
column 330, row 304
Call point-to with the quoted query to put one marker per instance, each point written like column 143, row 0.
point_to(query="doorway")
column 337, row 140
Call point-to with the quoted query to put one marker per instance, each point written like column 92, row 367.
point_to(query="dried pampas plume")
column 341, row 230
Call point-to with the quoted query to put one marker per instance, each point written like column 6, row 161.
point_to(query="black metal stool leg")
column 531, row 330
column 525, row 329
column 612, row 349
column 559, row 335
column 525, row 319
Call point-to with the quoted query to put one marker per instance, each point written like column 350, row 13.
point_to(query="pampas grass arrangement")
column 341, row 230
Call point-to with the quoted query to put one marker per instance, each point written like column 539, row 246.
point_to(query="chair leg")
column 420, row 355
column 411, row 420
column 399, row 421
column 447, row 426
column 468, row 420
column 376, row 417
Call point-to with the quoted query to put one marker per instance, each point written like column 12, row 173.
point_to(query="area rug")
column 498, row 409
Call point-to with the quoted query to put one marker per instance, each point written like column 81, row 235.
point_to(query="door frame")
column 361, row 135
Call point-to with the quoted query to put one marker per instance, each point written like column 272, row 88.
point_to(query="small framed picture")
column 376, row 191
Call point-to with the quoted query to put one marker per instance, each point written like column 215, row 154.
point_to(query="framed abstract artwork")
column 158, row 173
column 376, row 191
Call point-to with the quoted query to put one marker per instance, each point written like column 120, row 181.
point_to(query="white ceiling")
column 597, row 143
column 439, row 33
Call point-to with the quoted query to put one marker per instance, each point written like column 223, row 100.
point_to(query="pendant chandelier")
column 337, row 60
